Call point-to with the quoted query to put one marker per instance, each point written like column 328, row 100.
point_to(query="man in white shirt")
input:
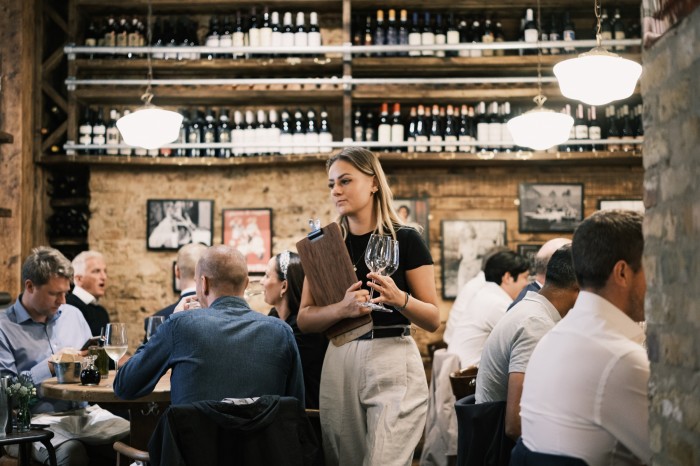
column 585, row 390
column 90, row 278
column 512, row 341
column 505, row 276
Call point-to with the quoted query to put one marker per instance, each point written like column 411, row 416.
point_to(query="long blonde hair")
column 386, row 218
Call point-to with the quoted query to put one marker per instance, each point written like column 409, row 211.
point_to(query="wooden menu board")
column 329, row 273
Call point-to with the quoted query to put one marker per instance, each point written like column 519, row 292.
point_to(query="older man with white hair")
column 90, row 278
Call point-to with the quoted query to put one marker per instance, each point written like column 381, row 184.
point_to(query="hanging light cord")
column 148, row 95
column 598, row 35
column 539, row 98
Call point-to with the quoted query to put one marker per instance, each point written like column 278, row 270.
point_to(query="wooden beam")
column 54, row 137
column 57, row 98
column 55, row 17
column 54, row 60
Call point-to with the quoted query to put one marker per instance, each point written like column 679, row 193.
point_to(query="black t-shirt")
column 413, row 253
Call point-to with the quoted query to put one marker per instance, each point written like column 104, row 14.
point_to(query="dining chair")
column 481, row 436
column 463, row 382
column 133, row 454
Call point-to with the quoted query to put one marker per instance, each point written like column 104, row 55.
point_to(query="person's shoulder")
column 406, row 232
column 74, row 301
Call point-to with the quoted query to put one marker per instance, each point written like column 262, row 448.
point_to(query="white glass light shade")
column 597, row 77
column 150, row 127
column 540, row 128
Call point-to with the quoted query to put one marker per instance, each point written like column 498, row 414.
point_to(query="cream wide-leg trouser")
column 373, row 402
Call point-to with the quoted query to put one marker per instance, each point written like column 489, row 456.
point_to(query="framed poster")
column 636, row 205
column 550, row 207
column 414, row 213
column 464, row 243
column 529, row 251
column 249, row 231
column 172, row 223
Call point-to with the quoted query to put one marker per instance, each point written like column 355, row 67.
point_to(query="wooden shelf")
column 412, row 159
column 218, row 68
column 5, row 138
column 206, row 6
column 451, row 94
column 437, row 5
column 70, row 202
column 68, row 241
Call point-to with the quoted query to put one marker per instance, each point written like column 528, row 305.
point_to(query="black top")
column 413, row 253
column 95, row 315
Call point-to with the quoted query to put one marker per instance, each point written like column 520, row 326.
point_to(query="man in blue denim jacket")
column 223, row 349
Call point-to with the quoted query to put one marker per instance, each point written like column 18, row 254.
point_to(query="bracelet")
column 404, row 304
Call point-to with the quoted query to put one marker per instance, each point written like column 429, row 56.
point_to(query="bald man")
column 541, row 260
column 222, row 350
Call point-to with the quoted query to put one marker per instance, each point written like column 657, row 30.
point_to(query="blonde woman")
column 373, row 395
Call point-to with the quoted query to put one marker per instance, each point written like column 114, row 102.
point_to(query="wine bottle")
column 286, row 137
column 436, row 129
column 594, row 132
column 238, row 134
column 451, row 130
column 194, row 133
column 212, row 37
column 276, row 35
column 580, row 126
column 613, row 129
column 249, row 139
column 391, row 36
column 171, row 41
column 618, row 30
column 498, row 36
column 314, row 34
column 112, row 133
column 261, row 133
column 124, row 150
column 482, row 126
column 627, row 133
column 452, row 35
column 182, row 136
column 265, row 29
column 287, row 31
column 421, row 130
column 414, row 35
column 238, row 35
column 411, row 136
column 464, row 37
column 568, row 34
column 606, row 32
column 530, row 32
column 506, row 137
column 487, row 36
column 427, row 36
column 209, row 131
column 358, row 129
column 325, row 137
column 299, row 135
column 253, row 30
column 368, row 37
column 85, row 130
column 397, row 128
column 226, row 37
column 465, row 133
column 554, row 34
column 301, row 37
column 91, row 36
column 273, row 132
column 475, row 37
column 110, row 37
column 370, row 130
column 311, row 133
column 122, row 33
column 440, row 35
column 494, row 127
column 384, row 129
column 99, row 132
column 403, row 30
column 544, row 37
column 379, row 37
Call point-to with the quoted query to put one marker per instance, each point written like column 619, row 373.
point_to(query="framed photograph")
column 414, row 213
column 464, row 243
column 636, row 205
column 529, row 251
column 173, row 223
column 250, row 231
column 550, row 207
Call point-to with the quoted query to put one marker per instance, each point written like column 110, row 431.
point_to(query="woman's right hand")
column 354, row 301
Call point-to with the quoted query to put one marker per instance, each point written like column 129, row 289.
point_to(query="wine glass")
column 377, row 256
column 152, row 324
column 116, row 342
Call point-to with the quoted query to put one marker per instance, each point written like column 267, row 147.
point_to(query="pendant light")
column 149, row 126
column 597, row 77
column 540, row 128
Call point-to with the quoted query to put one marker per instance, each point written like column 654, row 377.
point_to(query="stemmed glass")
column 152, row 324
column 116, row 342
column 382, row 257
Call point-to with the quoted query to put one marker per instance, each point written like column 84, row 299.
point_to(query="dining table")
column 144, row 412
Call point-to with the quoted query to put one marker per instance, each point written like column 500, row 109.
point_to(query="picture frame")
column 529, row 251
column 636, row 205
column 173, row 223
column 464, row 243
column 553, row 207
column 414, row 212
column 249, row 231
column 175, row 280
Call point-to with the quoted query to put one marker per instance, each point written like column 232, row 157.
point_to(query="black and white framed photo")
column 414, row 213
column 464, row 243
column 173, row 223
column 249, row 231
column 550, row 207
column 529, row 251
column 636, row 205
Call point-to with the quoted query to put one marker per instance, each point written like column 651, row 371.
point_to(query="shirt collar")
column 186, row 291
column 551, row 310
column 611, row 314
column 22, row 315
column 83, row 295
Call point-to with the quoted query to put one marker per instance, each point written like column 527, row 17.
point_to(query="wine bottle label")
column 487, row 39
column 482, row 132
column 450, row 147
column 133, row 39
column 254, row 37
column 212, row 41
column 224, row 137
column 419, row 140
column 288, row 39
column 530, row 35
column 99, row 129
column 113, row 136
column 266, row 37
column 414, row 38
column 85, row 129
column 122, row 39
column 312, row 141
column 606, row 35
column 554, row 36
column 397, row 133
column 359, row 134
column 581, row 132
column 140, row 151
column 314, row 39
column 369, row 134
column 620, row 35
column 452, row 37
column 209, row 137
column 276, row 39
column 323, row 139
column 152, row 152
column 286, row 143
column 436, row 148
column 495, row 132
column 384, row 133
column 594, row 132
column 505, row 135
column 465, row 138
column 274, row 139
column 226, row 41
column 91, row 42
column 411, row 146
column 301, row 39
column 85, row 139
column 125, row 151
column 298, row 141
column 440, row 39
column 427, row 38
column 569, row 35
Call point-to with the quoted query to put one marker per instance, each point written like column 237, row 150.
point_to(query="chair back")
column 463, row 382
column 481, row 433
column 523, row 456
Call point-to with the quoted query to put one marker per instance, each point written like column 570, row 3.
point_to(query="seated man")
column 540, row 267
column 36, row 328
column 222, row 350
column 90, row 277
column 513, row 339
column 187, row 257
column 585, row 391
column 506, row 275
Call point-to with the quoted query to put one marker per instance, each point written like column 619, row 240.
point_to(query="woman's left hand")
column 389, row 293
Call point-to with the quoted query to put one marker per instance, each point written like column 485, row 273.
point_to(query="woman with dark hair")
column 374, row 395
column 282, row 283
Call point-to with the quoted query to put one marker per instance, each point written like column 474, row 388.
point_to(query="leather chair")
column 523, row 456
column 463, row 382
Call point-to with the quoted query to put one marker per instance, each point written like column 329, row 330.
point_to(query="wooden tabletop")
column 102, row 393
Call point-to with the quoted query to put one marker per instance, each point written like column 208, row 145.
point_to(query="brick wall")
column 140, row 280
column 671, row 92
